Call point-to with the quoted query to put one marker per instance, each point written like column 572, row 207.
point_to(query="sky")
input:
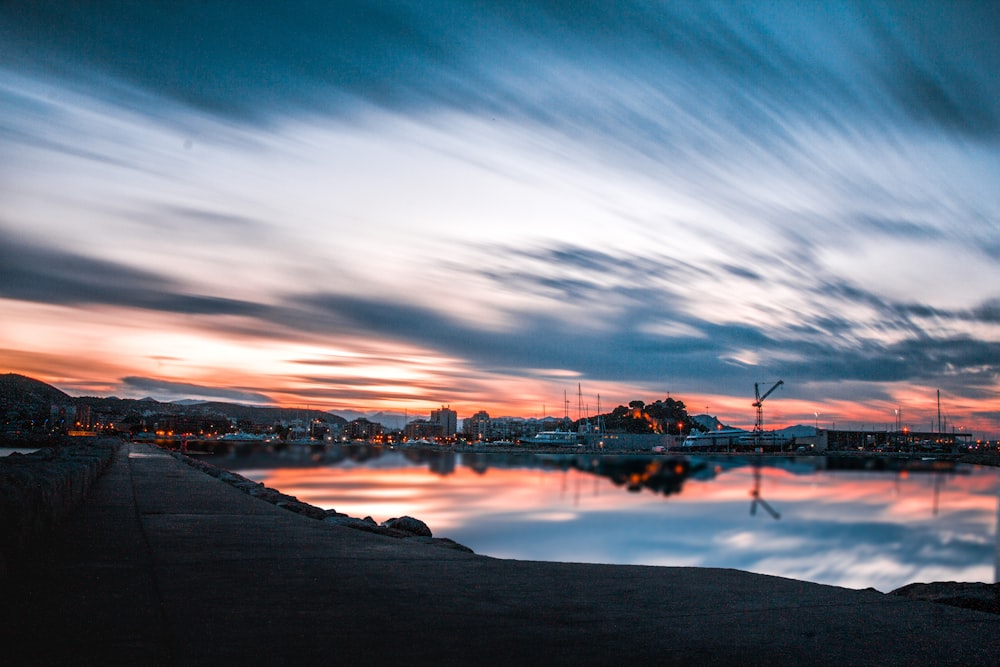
column 400, row 205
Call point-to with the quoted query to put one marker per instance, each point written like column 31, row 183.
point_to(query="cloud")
column 589, row 65
column 668, row 194
column 169, row 391
column 352, row 391
column 987, row 312
column 216, row 221
column 824, row 341
column 625, row 342
column 949, row 88
column 30, row 272
column 242, row 64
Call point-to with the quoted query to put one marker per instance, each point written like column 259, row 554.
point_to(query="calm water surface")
column 845, row 522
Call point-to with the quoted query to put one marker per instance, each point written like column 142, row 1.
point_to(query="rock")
column 351, row 522
column 302, row 508
column 38, row 490
column 405, row 527
column 968, row 595
column 408, row 524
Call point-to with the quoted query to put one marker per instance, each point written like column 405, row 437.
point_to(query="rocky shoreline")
column 404, row 527
column 38, row 491
column 968, row 595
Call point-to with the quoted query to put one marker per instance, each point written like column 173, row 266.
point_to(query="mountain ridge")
column 23, row 399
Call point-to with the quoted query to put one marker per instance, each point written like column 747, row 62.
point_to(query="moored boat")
column 555, row 439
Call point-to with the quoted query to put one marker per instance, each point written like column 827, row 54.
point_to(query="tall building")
column 478, row 425
column 448, row 419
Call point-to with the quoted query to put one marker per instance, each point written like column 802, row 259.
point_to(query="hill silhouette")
column 24, row 399
column 27, row 398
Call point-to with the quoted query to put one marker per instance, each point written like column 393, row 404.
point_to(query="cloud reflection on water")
column 856, row 529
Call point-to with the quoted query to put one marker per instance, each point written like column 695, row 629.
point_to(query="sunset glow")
column 392, row 206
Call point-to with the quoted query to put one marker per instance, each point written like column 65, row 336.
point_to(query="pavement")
column 165, row 565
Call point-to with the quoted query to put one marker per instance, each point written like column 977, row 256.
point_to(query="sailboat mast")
column 939, row 409
column 600, row 419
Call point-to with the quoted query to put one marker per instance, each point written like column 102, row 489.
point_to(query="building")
column 477, row 427
column 904, row 440
column 448, row 419
column 423, row 429
column 62, row 417
column 362, row 429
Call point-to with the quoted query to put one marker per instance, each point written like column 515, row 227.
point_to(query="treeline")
column 666, row 416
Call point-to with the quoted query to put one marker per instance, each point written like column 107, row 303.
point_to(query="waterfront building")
column 362, row 429
column 448, row 419
column 423, row 429
column 477, row 427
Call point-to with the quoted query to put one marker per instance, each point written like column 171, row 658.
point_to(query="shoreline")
column 58, row 479
column 404, row 527
column 988, row 458
column 978, row 596
column 197, row 446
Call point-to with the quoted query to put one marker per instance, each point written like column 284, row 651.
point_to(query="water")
column 845, row 522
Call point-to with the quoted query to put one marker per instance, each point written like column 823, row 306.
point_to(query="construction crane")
column 758, row 427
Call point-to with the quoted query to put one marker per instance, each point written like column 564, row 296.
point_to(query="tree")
column 666, row 416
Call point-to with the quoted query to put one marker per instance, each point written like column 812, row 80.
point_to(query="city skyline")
column 374, row 206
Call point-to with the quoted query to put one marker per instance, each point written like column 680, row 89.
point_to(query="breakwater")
column 399, row 527
column 41, row 470
column 38, row 491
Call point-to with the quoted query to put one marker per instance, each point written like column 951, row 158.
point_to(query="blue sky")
column 401, row 205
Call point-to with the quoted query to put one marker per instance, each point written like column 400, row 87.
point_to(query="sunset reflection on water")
column 852, row 528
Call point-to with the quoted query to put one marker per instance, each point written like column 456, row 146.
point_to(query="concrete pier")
column 165, row 565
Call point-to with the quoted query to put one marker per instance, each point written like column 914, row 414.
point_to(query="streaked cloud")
column 184, row 390
column 31, row 272
column 637, row 197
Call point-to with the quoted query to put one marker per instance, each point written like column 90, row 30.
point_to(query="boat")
column 734, row 437
column 555, row 439
column 726, row 437
column 241, row 437
column 305, row 442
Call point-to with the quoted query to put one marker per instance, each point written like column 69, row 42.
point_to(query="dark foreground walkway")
column 164, row 564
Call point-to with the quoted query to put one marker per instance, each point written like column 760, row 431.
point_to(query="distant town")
column 31, row 410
